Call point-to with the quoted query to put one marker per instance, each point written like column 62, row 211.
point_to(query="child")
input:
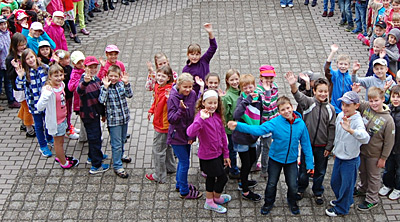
column 340, row 79
column 164, row 160
column 268, row 90
column 90, row 111
column 379, row 31
column 346, row 15
column 77, row 59
column 35, row 35
column 332, row 9
column 160, row 60
column 200, row 66
column 6, row 11
column 32, row 76
column 248, row 110
column 389, row 16
column 361, row 22
column 52, row 100
column 391, row 175
column 380, row 126
column 45, row 52
column 289, row 3
column 78, row 6
column 349, row 135
column 379, row 52
column 54, row 28
column 284, row 151
column 320, row 120
column 211, row 82
column 12, row 4
column 16, row 20
column 112, row 52
column 392, row 50
column 213, row 152
column 113, row 95
column 379, row 9
column 181, row 104
column 229, row 101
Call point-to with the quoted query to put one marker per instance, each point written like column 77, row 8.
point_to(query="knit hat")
column 90, row 60
column 77, row 56
column 267, row 70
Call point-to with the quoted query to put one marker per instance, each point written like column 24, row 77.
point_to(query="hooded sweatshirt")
column 370, row 81
column 159, row 108
column 392, row 51
column 5, row 42
column 56, row 33
column 73, row 84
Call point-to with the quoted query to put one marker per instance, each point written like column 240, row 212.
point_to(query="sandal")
column 121, row 173
column 192, row 187
column 193, row 194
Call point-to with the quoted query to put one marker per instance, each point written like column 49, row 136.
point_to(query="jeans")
column 345, row 9
column 343, row 180
column 117, row 139
column 41, row 133
column 361, row 11
column 232, row 156
column 93, row 131
column 7, row 86
column 320, row 164
column 274, row 171
column 332, row 5
column 263, row 149
column 286, row 2
column 391, row 175
column 183, row 154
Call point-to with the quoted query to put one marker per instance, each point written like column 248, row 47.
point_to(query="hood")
column 396, row 33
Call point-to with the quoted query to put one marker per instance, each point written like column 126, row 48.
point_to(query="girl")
column 45, row 52
column 112, row 52
column 52, row 99
column 162, row 153
column 54, row 28
column 32, row 75
column 213, row 152
column 181, row 105
column 160, row 60
column 211, row 81
column 229, row 100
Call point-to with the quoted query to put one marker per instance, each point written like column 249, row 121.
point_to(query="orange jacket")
column 159, row 108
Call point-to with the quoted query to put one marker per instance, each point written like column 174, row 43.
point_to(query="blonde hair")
column 246, row 79
column 184, row 77
column 380, row 41
column 375, row 92
column 158, row 56
column 65, row 54
column 396, row 17
column 228, row 75
column 55, row 68
column 343, row 57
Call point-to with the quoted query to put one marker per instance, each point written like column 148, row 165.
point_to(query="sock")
column 29, row 128
column 211, row 203
column 66, row 163
column 219, row 200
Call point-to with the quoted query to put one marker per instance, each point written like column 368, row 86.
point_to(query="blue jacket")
column 33, row 43
column 374, row 57
column 285, row 146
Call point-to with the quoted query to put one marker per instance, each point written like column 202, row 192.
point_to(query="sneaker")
column 89, row 161
column 331, row 212
column 234, row 176
column 283, row 6
column 266, row 209
column 384, row 190
column 22, row 128
column 364, row 206
column 31, row 133
column 76, row 39
column 355, row 31
column 330, row 14
column 219, row 209
column 290, row 5
column 71, row 35
column 341, row 23
column 306, row 2
column 299, row 195
column 358, row 193
column 324, row 14
column 349, row 28
column 257, row 168
column 319, row 200
column 252, row 196
column 101, row 169
column 294, row 208
column 150, row 177
column 394, row 195
column 66, row 157
column 333, row 203
column 193, row 194
column 122, row 173
column 72, row 135
column 75, row 129
column 126, row 159
column 85, row 31
column 45, row 151
column 15, row 104
column 314, row 3
column 71, row 163
column 203, row 174
column 252, row 183
column 226, row 197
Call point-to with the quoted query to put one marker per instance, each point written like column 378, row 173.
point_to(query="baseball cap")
column 350, row 97
column 381, row 24
column 58, row 14
column 44, row 43
column 77, row 56
column 20, row 14
column 112, row 48
column 37, row 26
column 3, row 19
column 267, row 70
column 90, row 60
column 380, row 61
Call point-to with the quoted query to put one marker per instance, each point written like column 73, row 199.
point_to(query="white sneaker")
column 77, row 130
column 290, row 5
column 394, row 195
column 283, row 6
column 72, row 135
column 384, row 190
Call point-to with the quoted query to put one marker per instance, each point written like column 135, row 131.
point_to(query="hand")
column 48, row 21
column 227, row 162
column 356, row 66
column 18, row 68
column 125, row 78
column 334, row 48
column 388, row 84
column 291, row 78
column 232, row 125
column 55, row 58
column 87, row 78
column 254, row 96
column 326, row 153
column 149, row 67
column 199, row 81
column 190, row 142
column 345, row 124
column 106, row 81
column 208, row 27
column 382, row 54
column 304, row 77
column 149, row 116
column 311, row 171
column 182, row 105
column 221, row 93
column 204, row 114
column 102, row 61
column 356, row 87
column 381, row 163
column 103, row 119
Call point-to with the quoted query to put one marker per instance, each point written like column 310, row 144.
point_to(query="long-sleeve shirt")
column 56, row 33
column 89, row 92
column 5, row 42
column 104, row 69
column 73, row 84
column 33, row 43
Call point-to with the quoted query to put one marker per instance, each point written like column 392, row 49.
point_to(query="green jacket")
column 229, row 101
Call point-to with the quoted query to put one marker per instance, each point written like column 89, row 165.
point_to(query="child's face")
column 386, row 3
column 162, row 62
column 268, row 80
column 56, row 78
column 392, row 40
column 286, row 110
column 31, row 60
column 65, row 61
column 58, row 20
column 21, row 47
column 45, row 51
column 395, row 7
column 8, row 1
column 194, row 57
column 35, row 33
column 349, row 109
column 396, row 23
column 92, row 70
column 321, row 92
column 6, row 13
column 212, row 82
column 22, row 20
column 162, row 78
column 343, row 65
column 112, row 57
column 378, row 48
column 379, row 31
column 211, row 104
column 79, row 65
column 113, row 77
column 380, row 71
column 233, row 81
column 185, row 88
column 395, row 99
column 249, row 88
column 3, row 26
column 376, row 103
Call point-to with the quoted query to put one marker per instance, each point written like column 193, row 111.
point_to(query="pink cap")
column 90, row 60
column 112, row 48
column 267, row 70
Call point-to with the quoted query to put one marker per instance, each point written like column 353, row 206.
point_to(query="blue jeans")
column 320, row 164
column 183, row 154
column 343, row 180
column 93, row 131
column 286, row 2
column 117, row 139
column 332, row 5
column 391, row 175
column 41, row 133
column 91, row 6
column 345, row 9
column 274, row 171
column 7, row 86
column 361, row 11
column 232, row 156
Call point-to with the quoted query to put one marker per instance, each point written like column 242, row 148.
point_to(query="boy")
column 392, row 50
column 200, row 66
column 391, row 175
column 361, row 22
column 380, row 126
column 6, row 11
column 320, row 118
column 287, row 130
column 36, row 34
column 340, row 79
column 379, row 31
column 345, row 10
column 90, row 111
column 379, row 53
column 349, row 135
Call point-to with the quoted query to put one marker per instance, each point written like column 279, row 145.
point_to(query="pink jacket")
column 73, row 84
column 56, row 33
column 104, row 69
column 55, row 5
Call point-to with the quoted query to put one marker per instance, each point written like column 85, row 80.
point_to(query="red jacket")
column 159, row 108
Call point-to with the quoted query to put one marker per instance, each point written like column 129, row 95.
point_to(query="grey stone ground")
column 249, row 33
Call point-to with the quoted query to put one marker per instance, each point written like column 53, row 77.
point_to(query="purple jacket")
column 211, row 133
column 201, row 68
column 179, row 118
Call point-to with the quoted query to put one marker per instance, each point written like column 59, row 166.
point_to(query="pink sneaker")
column 85, row 31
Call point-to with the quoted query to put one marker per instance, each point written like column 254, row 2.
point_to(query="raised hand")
column 345, row 123
column 106, row 82
column 356, row 87
column 87, row 77
column 232, row 125
column 204, row 114
column 334, row 48
column 304, row 77
column 382, row 54
column 125, row 78
column 208, row 27
column 25, row 24
column 102, row 61
column 199, row 81
column 182, row 104
column 221, row 93
column 55, row 58
column 48, row 21
column 356, row 66
column 149, row 67
column 18, row 68
column 291, row 78
column 388, row 84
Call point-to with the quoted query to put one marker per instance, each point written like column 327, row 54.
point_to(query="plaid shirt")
column 32, row 89
column 114, row 98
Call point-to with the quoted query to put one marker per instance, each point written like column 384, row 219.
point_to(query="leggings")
column 71, row 25
column 247, row 158
column 216, row 184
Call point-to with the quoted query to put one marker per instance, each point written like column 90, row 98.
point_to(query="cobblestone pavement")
column 249, row 33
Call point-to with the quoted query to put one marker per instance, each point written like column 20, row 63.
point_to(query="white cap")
column 58, row 14
column 37, row 26
column 44, row 43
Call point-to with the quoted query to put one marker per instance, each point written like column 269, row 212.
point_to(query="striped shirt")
column 269, row 99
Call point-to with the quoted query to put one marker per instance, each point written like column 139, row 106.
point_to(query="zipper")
column 290, row 142
column 319, row 120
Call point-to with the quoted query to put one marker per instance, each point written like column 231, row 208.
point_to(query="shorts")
column 61, row 128
column 243, row 148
